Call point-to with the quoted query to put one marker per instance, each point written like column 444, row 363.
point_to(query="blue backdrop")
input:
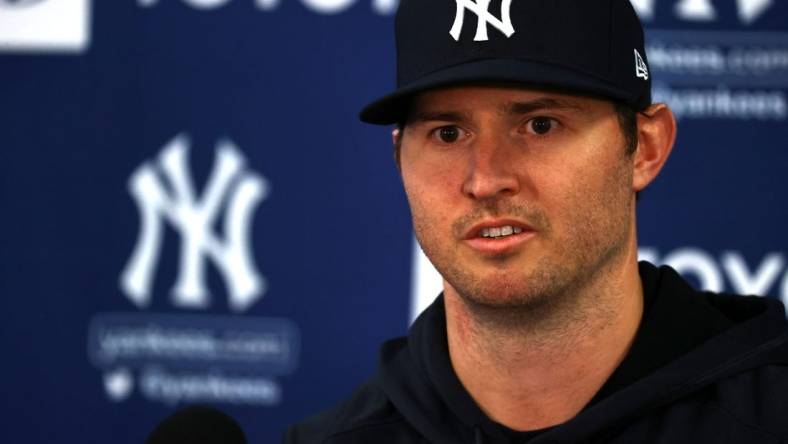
column 191, row 212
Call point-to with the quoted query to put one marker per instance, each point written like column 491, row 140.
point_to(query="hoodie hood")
column 750, row 333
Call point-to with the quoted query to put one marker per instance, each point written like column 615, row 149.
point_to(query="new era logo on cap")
column 641, row 69
column 481, row 9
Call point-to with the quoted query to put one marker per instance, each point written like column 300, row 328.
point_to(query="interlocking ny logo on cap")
column 641, row 70
column 481, row 9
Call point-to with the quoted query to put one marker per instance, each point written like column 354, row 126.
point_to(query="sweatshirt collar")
column 676, row 321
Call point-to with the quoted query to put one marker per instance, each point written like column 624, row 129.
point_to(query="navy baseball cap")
column 592, row 47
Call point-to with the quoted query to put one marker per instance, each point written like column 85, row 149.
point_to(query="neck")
column 547, row 362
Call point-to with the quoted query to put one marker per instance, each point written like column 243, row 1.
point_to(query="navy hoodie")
column 704, row 368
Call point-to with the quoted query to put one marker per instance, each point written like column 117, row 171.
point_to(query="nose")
column 491, row 170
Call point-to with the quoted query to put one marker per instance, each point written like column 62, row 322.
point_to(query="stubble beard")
column 551, row 291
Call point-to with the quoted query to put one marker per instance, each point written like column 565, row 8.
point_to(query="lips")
column 498, row 236
column 498, row 232
column 496, row 228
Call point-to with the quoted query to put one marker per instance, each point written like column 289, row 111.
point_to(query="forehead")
column 467, row 100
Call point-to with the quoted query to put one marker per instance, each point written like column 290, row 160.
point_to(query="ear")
column 656, row 135
column 396, row 135
column 396, row 141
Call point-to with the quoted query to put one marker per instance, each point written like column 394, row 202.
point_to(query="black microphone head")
column 197, row 425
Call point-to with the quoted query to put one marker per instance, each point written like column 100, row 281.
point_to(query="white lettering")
column 724, row 104
column 196, row 4
column 757, row 283
column 644, row 8
column 267, row 5
column 693, row 261
column 693, row 10
column 681, row 59
column 703, row 10
column 750, row 10
column 206, row 4
column 784, row 289
column 426, row 282
column 328, row 6
column 690, row 262
column 172, row 388
column 385, row 7
column 53, row 26
column 696, row 10
column 648, row 254
column 758, row 61
column 699, row 263
column 153, row 342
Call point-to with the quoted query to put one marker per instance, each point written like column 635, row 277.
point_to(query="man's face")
column 517, row 195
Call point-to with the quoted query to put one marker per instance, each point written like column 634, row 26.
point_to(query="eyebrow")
column 538, row 105
column 512, row 108
column 443, row 116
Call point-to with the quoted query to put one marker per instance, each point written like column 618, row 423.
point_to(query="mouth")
column 500, row 232
column 497, row 229
column 497, row 237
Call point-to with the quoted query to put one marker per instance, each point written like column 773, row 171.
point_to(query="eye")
column 541, row 125
column 448, row 134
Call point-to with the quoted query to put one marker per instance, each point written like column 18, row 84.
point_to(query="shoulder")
column 757, row 398
column 366, row 416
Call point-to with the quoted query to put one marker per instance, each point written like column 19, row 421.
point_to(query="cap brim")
column 393, row 107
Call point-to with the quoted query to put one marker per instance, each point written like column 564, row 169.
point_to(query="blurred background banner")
column 191, row 212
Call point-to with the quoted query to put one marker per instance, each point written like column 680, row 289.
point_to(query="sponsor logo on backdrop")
column 688, row 10
column 702, row 10
column 737, row 74
column 194, row 356
column 483, row 19
column 325, row 7
column 44, row 26
column 721, row 75
column 727, row 271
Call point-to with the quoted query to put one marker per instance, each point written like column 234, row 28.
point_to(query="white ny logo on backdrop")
column 229, row 188
column 481, row 9
column 704, row 10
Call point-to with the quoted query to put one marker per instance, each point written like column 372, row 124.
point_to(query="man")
column 522, row 150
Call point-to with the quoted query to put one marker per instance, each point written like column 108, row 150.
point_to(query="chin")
column 522, row 288
column 500, row 293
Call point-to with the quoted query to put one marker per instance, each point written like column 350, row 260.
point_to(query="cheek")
column 426, row 197
column 426, row 215
column 589, row 191
column 432, row 194
column 430, row 181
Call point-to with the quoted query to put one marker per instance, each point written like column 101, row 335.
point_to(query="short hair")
column 628, row 121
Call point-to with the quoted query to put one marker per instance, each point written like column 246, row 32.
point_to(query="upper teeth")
column 506, row 230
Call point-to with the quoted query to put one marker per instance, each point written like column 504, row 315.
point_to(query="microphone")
column 197, row 425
